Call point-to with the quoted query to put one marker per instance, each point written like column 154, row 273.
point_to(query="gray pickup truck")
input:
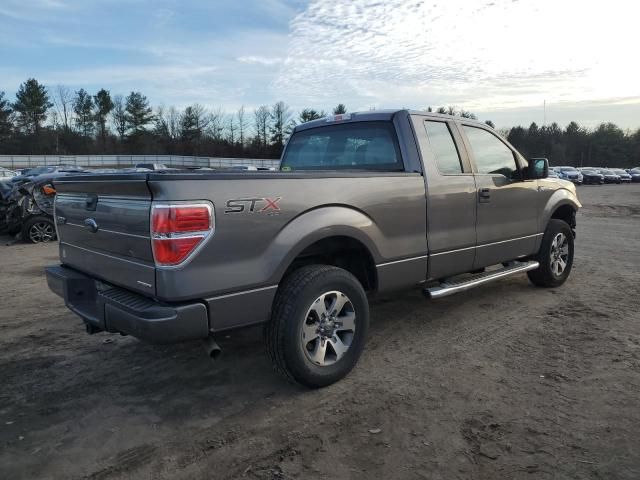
column 363, row 204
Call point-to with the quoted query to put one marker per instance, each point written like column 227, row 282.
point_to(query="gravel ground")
column 505, row 381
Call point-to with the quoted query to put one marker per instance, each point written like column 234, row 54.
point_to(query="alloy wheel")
column 41, row 232
column 559, row 254
column 329, row 327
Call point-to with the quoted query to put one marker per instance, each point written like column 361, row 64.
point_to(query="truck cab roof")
column 378, row 115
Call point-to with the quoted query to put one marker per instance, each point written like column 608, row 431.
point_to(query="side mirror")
column 538, row 168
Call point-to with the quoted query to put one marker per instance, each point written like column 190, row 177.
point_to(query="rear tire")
column 555, row 256
column 39, row 229
column 318, row 325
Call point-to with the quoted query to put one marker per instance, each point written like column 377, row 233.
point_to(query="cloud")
column 266, row 61
column 481, row 55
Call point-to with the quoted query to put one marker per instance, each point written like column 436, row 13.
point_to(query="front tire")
column 39, row 229
column 555, row 256
column 318, row 325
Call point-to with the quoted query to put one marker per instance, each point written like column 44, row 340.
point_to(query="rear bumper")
column 105, row 307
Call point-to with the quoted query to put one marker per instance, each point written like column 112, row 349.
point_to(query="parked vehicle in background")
column 363, row 203
column 244, row 168
column 27, row 208
column 571, row 174
column 609, row 175
column 25, row 176
column 6, row 174
column 635, row 174
column 151, row 166
column 623, row 174
column 590, row 176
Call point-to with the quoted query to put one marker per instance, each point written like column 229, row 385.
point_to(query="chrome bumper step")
column 455, row 284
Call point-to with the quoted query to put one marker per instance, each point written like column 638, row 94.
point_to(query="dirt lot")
column 506, row 381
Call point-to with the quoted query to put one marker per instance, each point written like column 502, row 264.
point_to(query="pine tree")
column 309, row 114
column 83, row 108
column 6, row 126
column 340, row 109
column 138, row 113
column 104, row 106
column 32, row 103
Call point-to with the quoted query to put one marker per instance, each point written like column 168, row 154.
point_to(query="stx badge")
column 253, row 205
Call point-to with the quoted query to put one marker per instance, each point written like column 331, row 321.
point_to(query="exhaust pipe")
column 213, row 349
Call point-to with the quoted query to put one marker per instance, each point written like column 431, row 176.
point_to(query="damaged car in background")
column 27, row 209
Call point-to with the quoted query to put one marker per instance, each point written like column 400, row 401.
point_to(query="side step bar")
column 453, row 285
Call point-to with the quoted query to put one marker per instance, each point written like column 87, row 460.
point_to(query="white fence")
column 89, row 161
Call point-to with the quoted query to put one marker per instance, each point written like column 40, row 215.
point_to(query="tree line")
column 60, row 121
column 605, row 146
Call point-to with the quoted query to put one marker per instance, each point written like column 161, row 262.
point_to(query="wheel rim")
column 41, row 232
column 559, row 254
column 329, row 328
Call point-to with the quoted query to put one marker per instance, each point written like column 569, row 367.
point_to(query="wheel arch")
column 562, row 205
column 567, row 213
column 335, row 235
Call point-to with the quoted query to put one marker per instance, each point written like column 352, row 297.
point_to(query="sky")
column 502, row 59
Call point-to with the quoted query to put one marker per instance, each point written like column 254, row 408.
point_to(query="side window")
column 443, row 148
column 347, row 146
column 491, row 155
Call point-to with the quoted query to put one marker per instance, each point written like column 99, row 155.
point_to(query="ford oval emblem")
column 91, row 225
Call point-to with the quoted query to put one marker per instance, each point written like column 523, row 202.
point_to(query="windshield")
column 347, row 146
column 569, row 169
column 619, row 171
column 606, row 172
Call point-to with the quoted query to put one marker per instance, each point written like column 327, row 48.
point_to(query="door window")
column 491, row 155
column 443, row 148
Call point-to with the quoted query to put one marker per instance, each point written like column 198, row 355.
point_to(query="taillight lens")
column 178, row 229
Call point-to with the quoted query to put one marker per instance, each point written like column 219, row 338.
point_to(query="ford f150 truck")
column 363, row 203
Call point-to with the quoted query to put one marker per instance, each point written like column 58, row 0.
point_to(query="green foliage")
column 138, row 113
column 6, row 126
column 130, row 126
column 104, row 106
column 309, row 114
column 340, row 109
column 31, row 105
column 83, row 108
column 606, row 146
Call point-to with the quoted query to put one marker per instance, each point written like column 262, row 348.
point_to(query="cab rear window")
column 347, row 146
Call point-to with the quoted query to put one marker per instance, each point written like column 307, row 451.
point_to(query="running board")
column 452, row 285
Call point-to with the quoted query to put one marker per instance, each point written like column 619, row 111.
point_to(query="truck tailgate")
column 103, row 228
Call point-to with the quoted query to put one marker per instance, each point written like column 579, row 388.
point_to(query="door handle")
column 484, row 195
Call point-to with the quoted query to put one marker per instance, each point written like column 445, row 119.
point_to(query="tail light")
column 178, row 229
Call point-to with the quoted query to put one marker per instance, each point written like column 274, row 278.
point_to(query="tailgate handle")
column 92, row 202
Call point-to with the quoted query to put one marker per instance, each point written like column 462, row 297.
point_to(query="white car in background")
column 6, row 173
